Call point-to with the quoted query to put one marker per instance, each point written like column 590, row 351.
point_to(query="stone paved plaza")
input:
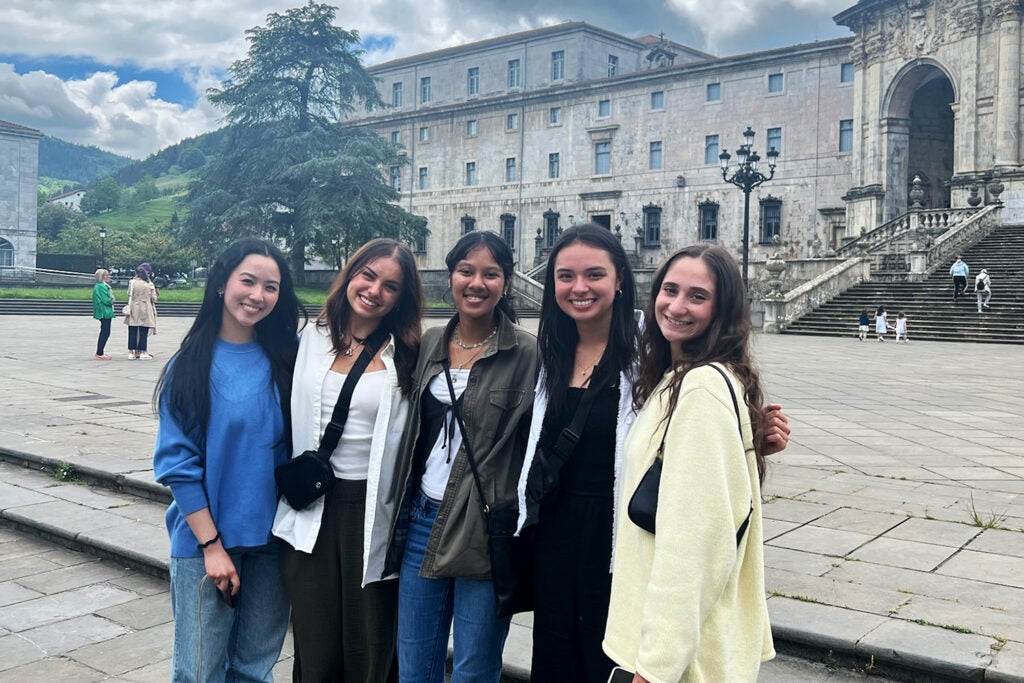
column 892, row 522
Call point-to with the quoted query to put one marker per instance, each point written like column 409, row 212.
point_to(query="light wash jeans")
column 427, row 607
column 214, row 642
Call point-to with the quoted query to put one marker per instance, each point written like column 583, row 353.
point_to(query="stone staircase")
column 928, row 305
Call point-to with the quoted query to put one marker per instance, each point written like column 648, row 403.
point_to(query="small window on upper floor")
column 658, row 99
column 713, row 92
column 396, row 94
column 468, row 224
column 395, row 178
column 654, row 156
column 602, row 158
column 776, row 83
column 604, row 108
column 510, row 170
column 471, row 128
column 558, row 65
column 711, row 149
column 846, row 72
column 470, row 173
column 555, row 116
column 425, row 89
column 554, row 165
column 512, row 121
column 424, row 133
column 396, row 137
column 613, row 65
column 423, row 177
column 514, row 78
column 473, row 81
column 774, row 140
column 846, row 135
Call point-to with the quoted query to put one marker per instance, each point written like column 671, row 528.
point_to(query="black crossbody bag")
column 511, row 557
column 309, row 475
column 643, row 506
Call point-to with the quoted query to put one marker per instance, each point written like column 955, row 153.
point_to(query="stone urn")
column 974, row 199
column 995, row 188
column 776, row 266
column 917, row 193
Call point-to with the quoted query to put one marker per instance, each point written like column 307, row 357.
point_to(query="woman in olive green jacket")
column 102, row 310
column 439, row 541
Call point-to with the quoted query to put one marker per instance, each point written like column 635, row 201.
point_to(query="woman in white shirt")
column 344, row 605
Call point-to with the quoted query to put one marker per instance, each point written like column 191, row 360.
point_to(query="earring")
column 618, row 293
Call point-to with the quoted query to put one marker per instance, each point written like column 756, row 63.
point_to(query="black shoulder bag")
column 511, row 560
column 309, row 475
column 542, row 479
column 643, row 506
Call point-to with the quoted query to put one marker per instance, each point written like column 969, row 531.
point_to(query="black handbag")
column 309, row 475
column 643, row 505
column 511, row 555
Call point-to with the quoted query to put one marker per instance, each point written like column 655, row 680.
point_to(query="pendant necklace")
column 469, row 347
column 357, row 340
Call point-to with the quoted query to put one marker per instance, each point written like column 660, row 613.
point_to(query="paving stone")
column 26, row 565
column 989, row 621
column 862, row 521
column 74, row 576
column 15, row 651
column 999, row 542
column 822, row 541
column 798, row 561
column 160, row 672
column 144, row 543
column 13, row 497
column 141, row 614
column 71, row 634
column 794, row 510
column 1007, row 665
column 899, row 553
column 1002, row 569
column 11, row 593
column 933, row 531
column 50, row 608
column 62, row 517
column 946, row 652
column 822, row 626
column 871, row 599
column 54, row 669
column 142, row 584
column 128, row 652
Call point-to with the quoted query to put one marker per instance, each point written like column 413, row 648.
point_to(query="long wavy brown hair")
column 726, row 341
column 404, row 321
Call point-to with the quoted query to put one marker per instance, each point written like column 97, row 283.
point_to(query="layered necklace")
column 478, row 347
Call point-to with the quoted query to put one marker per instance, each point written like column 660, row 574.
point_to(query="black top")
column 590, row 470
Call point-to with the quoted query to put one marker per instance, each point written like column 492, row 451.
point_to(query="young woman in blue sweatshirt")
column 224, row 425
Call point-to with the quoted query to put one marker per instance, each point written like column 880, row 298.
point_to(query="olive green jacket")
column 497, row 406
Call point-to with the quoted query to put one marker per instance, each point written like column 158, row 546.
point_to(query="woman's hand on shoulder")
column 777, row 437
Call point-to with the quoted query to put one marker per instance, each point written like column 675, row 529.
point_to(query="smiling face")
column 374, row 289
column 585, row 284
column 250, row 294
column 685, row 304
column 477, row 283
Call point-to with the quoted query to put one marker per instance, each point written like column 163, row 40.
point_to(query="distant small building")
column 72, row 199
column 19, row 183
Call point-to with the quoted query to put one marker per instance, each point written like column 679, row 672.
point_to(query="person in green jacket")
column 103, row 309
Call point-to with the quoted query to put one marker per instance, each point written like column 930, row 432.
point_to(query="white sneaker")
column 132, row 356
column 145, row 356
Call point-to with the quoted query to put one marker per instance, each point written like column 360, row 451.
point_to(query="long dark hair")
column 726, row 341
column 502, row 254
column 557, row 335
column 184, row 384
column 404, row 321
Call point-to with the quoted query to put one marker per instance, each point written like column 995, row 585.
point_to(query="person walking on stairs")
column 983, row 289
column 959, row 271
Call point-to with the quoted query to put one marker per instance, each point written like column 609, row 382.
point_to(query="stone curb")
column 790, row 638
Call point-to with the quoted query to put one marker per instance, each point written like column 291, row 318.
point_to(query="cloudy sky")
column 129, row 77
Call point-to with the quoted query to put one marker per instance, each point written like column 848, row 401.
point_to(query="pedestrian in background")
column 140, row 313
column 224, row 426
column 881, row 323
column 102, row 310
column 901, row 328
column 959, row 271
column 863, row 325
column 983, row 289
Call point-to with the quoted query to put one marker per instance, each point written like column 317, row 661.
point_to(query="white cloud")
column 725, row 20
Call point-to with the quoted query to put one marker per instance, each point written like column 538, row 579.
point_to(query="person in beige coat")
column 140, row 312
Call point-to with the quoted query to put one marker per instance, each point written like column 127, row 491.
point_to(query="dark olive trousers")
column 342, row 632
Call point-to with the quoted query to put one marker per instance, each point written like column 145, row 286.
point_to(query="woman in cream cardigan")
column 688, row 602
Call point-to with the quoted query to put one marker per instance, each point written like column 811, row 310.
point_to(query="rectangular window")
column 554, row 165
column 470, row 173
column 658, row 100
column 420, row 244
column 846, row 72
column 846, row 135
column 711, row 149
column 603, row 158
column 396, row 94
column 775, row 83
column 652, row 226
column 708, row 222
column 514, row 80
column 425, row 89
column 473, row 81
column 471, row 127
column 510, row 170
column 396, row 137
column 512, row 122
column 713, row 92
column 613, row 65
column 654, row 157
column 550, row 228
column 423, row 178
column 771, row 220
column 558, row 65
column 396, row 178
column 508, row 229
column 604, row 108
column 468, row 224
column 774, row 140
column 424, row 133
column 555, row 116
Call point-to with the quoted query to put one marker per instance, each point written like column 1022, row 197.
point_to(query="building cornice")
column 8, row 128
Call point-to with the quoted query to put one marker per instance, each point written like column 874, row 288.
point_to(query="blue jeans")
column 214, row 642
column 426, row 608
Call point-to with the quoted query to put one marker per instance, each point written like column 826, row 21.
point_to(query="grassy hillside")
column 157, row 210
column 79, row 163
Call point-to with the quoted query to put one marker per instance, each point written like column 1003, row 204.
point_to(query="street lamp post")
column 103, row 247
column 747, row 177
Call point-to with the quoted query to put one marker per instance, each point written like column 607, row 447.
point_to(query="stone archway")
column 918, row 129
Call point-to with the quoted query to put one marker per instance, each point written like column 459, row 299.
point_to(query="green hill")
column 76, row 164
column 128, row 218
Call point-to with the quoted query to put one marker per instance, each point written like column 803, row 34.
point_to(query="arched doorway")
column 918, row 128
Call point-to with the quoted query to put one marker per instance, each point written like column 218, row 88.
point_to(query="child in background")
column 863, row 325
column 881, row 323
column 901, row 328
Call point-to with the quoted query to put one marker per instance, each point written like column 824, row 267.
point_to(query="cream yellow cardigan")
column 687, row 604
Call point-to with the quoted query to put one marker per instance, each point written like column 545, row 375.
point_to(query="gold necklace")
column 356, row 340
column 587, row 370
column 480, row 348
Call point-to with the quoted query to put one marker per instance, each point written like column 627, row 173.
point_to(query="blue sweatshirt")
column 234, row 474
column 959, row 269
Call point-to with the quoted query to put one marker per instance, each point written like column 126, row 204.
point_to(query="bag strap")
column 332, row 434
column 456, row 410
column 570, row 436
column 739, row 424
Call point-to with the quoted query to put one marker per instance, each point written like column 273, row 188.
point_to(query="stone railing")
column 928, row 257
column 528, row 292
column 930, row 221
column 781, row 308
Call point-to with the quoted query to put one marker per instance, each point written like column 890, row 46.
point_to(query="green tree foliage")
column 146, row 189
column 125, row 249
column 289, row 168
column 53, row 219
column 76, row 163
column 104, row 196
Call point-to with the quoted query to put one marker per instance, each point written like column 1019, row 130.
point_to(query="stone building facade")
column 19, row 180
column 531, row 132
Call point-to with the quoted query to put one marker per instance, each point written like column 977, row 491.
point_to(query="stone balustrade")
column 779, row 310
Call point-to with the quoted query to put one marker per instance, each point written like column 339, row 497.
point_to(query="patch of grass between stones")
column 948, row 627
